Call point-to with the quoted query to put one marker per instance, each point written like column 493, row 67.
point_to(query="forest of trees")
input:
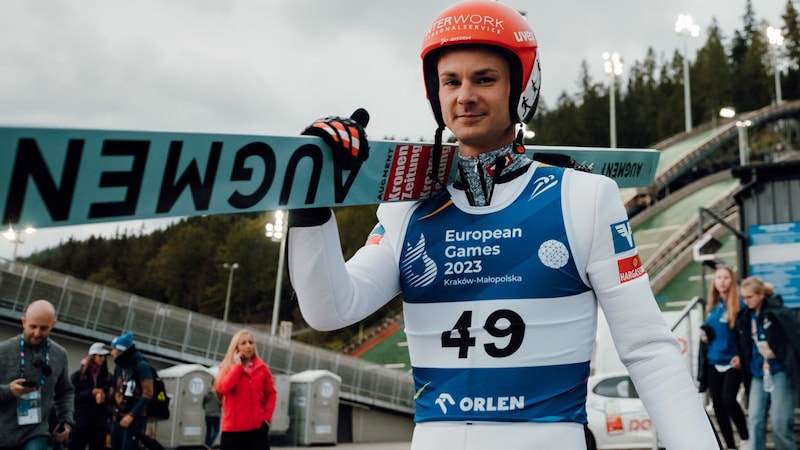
column 732, row 71
column 182, row 265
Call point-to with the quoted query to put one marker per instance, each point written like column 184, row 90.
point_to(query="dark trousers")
column 723, row 387
column 212, row 429
column 125, row 438
column 93, row 436
column 246, row 440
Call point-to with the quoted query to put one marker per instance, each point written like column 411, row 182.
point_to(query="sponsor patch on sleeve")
column 622, row 236
column 375, row 235
column 630, row 268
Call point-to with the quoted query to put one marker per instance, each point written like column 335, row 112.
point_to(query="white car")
column 617, row 418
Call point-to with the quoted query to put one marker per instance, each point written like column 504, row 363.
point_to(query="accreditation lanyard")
column 22, row 359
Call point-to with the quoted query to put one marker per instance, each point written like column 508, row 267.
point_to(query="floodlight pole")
column 231, row 268
column 686, row 28
column 277, row 232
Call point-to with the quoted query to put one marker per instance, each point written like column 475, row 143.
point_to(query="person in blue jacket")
column 719, row 335
column 769, row 355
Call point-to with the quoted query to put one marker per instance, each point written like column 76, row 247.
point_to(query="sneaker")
column 744, row 444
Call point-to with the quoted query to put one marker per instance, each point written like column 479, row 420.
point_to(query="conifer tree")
column 712, row 77
column 791, row 45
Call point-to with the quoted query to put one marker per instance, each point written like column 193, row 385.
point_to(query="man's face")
column 36, row 326
column 474, row 89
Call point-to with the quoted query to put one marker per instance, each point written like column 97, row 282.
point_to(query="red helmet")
column 489, row 23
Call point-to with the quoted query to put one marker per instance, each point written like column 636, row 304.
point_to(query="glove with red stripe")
column 345, row 136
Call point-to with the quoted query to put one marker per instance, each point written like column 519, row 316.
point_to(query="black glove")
column 346, row 137
column 348, row 140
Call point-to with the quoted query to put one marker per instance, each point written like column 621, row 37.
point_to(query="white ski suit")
column 500, row 306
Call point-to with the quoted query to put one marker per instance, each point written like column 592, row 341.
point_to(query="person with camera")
column 34, row 380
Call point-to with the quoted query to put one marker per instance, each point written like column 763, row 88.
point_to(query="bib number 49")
column 502, row 323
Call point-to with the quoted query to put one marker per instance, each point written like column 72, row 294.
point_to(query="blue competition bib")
column 498, row 307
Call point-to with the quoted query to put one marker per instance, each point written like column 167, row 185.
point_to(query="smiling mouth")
column 469, row 117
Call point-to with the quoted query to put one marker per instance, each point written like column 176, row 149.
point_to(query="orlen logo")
column 522, row 36
column 467, row 404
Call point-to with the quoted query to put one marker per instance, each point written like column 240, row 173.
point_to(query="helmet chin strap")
column 436, row 155
column 519, row 146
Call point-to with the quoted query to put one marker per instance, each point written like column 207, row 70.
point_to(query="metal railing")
column 174, row 335
column 727, row 133
column 675, row 253
column 692, row 323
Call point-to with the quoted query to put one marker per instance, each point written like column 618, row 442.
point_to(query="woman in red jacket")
column 248, row 396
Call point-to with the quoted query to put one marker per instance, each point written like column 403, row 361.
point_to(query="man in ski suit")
column 501, row 274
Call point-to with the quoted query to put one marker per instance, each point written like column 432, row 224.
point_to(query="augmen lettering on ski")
column 54, row 177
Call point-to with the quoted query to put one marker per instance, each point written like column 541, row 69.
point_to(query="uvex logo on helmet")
column 522, row 36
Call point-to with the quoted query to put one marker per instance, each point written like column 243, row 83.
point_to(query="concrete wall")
column 361, row 424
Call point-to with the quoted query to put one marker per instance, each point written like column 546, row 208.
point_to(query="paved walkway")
column 358, row 446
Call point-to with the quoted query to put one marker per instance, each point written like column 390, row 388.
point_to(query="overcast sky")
column 272, row 66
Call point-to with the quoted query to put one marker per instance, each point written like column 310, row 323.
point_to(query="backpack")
column 158, row 407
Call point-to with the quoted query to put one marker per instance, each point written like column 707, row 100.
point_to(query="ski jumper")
column 500, row 306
